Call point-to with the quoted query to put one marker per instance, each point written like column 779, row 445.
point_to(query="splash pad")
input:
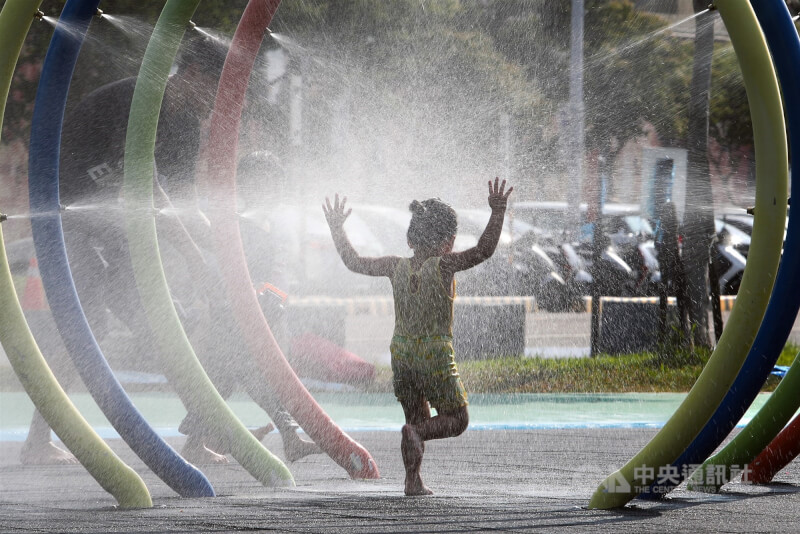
column 755, row 310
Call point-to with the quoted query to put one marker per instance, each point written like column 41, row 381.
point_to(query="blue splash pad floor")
column 374, row 411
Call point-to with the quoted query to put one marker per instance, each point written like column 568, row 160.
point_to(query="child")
column 423, row 362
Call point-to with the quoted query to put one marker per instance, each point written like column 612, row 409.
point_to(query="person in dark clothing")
column 90, row 188
column 91, row 179
column 257, row 173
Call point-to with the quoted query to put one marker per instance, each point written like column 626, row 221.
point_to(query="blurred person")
column 221, row 347
column 90, row 187
column 91, row 181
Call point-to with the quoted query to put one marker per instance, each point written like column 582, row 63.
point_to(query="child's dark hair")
column 258, row 171
column 433, row 223
column 201, row 50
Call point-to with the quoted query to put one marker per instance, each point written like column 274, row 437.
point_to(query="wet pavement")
column 484, row 481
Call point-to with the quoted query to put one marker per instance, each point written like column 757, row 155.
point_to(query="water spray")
column 48, row 238
column 264, row 350
column 40, row 384
column 731, row 351
column 181, row 365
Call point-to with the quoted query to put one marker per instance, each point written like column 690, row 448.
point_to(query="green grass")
column 788, row 354
column 631, row 373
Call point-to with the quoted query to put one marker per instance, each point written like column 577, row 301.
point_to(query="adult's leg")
column 39, row 448
column 227, row 346
column 141, row 352
column 294, row 447
column 89, row 275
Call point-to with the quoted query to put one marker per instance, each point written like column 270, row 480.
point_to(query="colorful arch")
column 777, row 455
column 757, row 434
column 182, row 367
column 223, row 140
column 784, row 45
column 784, row 401
column 113, row 475
column 48, row 237
column 771, row 191
column 700, row 402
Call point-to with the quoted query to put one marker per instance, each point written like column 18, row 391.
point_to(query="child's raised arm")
column 336, row 215
column 460, row 261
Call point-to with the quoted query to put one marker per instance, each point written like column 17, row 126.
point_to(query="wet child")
column 423, row 362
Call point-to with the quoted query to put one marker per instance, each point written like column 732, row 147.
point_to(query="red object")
column 777, row 455
column 319, row 358
column 222, row 143
column 33, row 297
column 273, row 289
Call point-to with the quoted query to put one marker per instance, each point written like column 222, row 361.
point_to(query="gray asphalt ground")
column 484, row 481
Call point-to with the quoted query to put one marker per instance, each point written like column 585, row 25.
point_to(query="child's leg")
column 294, row 447
column 446, row 424
column 412, row 447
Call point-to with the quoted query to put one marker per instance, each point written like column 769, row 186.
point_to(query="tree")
column 699, row 212
column 634, row 75
column 409, row 89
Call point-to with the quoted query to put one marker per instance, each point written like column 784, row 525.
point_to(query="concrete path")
column 485, row 481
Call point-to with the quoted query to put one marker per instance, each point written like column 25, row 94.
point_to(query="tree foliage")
column 109, row 52
column 425, row 77
column 453, row 65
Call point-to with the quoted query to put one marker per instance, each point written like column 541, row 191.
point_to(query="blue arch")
column 48, row 238
column 784, row 44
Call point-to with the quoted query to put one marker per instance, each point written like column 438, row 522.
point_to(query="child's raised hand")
column 335, row 214
column 497, row 198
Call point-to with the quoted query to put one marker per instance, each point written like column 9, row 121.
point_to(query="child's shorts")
column 426, row 367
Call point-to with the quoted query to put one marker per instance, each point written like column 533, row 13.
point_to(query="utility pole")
column 575, row 120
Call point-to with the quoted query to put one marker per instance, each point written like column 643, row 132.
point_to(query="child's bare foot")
column 204, row 456
column 46, row 454
column 412, row 448
column 195, row 452
column 416, row 487
column 220, row 445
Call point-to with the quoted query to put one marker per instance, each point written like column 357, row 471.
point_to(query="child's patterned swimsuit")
column 423, row 361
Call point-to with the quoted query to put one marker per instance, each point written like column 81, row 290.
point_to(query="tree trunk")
column 699, row 213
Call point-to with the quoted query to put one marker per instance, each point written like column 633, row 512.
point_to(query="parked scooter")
column 728, row 261
column 617, row 278
column 539, row 275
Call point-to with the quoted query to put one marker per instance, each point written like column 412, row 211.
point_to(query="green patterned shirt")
column 427, row 311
